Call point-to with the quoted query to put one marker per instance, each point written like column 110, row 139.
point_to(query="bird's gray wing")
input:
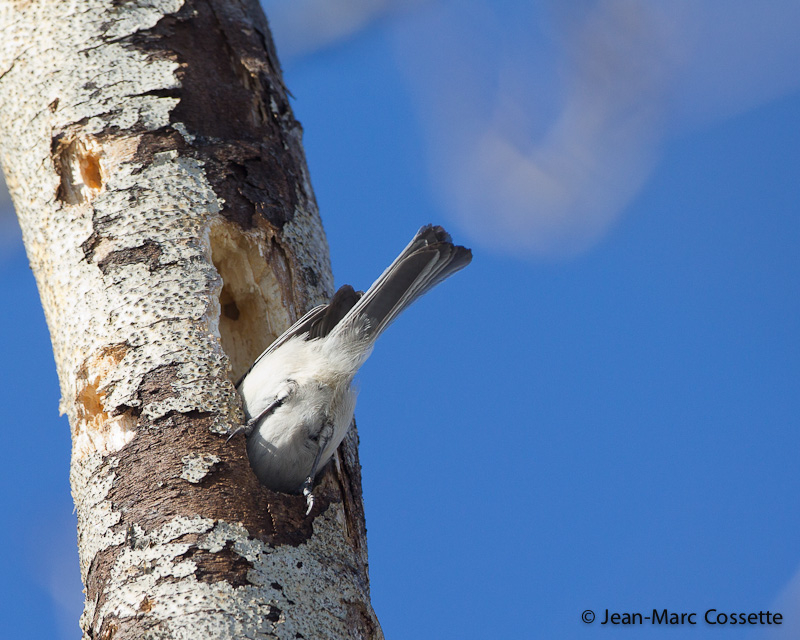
column 343, row 300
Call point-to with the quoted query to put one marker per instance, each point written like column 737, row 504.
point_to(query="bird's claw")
column 308, row 494
column 247, row 427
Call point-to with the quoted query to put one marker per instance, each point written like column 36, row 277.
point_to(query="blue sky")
column 601, row 411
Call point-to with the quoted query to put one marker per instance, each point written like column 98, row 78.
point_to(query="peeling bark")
column 158, row 174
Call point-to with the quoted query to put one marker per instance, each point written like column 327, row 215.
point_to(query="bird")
column 298, row 396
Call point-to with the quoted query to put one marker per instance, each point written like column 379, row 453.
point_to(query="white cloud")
column 743, row 54
column 548, row 174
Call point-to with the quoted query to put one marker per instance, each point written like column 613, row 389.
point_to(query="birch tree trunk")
column 158, row 175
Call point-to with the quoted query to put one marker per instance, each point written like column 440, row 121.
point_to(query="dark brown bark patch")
column 157, row 385
column 149, row 490
column 234, row 107
column 211, row 567
column 153, row 142
column 148, row 253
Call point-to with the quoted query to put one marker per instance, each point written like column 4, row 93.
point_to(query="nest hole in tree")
column 252, row 313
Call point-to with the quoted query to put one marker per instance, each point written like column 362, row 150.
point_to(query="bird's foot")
column 306, row 487
column 247, row 427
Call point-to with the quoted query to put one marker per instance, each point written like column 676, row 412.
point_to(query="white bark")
column 170, row 246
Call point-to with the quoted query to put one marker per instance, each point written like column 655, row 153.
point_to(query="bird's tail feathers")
column 427, row 260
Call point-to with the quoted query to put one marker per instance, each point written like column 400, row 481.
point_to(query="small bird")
column 298, row 395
